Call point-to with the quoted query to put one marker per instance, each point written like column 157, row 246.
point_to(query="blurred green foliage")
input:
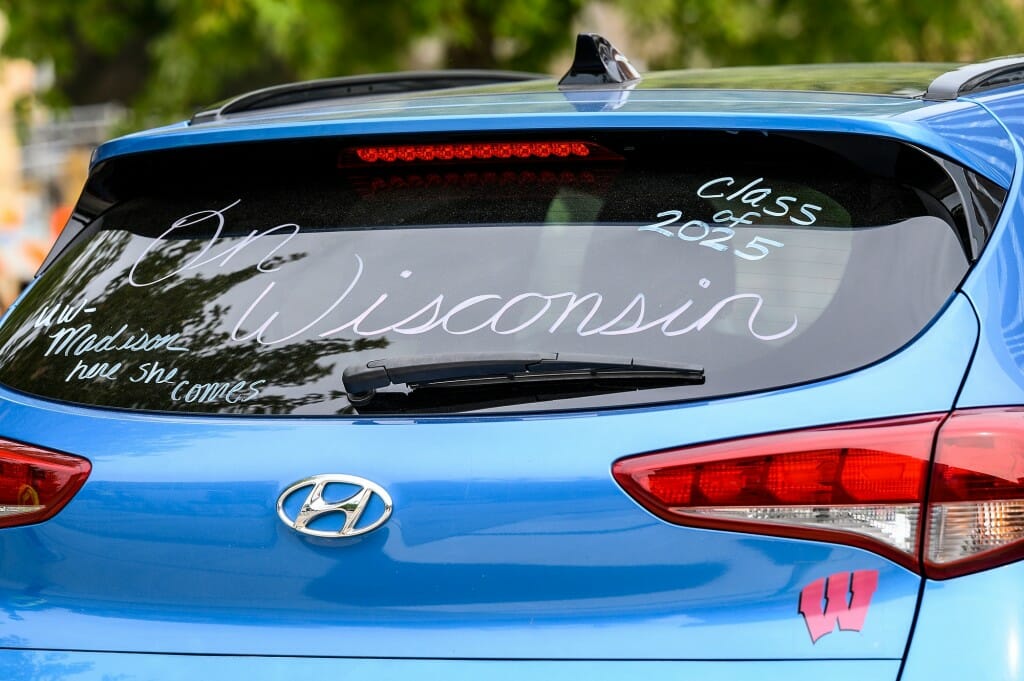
column 168, row 57
column 717, row 32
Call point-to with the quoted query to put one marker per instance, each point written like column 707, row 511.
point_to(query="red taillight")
column 35, row 484
column 976, row 501
column 478, row 151
column 861, row 484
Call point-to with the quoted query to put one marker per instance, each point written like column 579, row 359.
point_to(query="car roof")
column 885, row 89
column 434, row 89
column 879, row 78
column 913, row 102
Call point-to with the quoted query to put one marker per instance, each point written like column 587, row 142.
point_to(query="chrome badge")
column 352, row 507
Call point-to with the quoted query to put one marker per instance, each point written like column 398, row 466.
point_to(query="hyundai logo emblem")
column 351, row 508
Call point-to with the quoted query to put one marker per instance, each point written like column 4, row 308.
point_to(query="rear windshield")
column 246, row 279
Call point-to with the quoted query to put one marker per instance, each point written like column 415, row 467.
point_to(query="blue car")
column 482, row 375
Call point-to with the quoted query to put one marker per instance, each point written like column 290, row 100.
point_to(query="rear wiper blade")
column 475, row 369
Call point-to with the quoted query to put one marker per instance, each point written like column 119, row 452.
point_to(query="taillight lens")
column 859, row 484
column 35, row 483
column 976, row 501
column 863, row 484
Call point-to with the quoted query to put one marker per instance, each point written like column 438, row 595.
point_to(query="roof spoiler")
column 977, row 77
column 596, row 62
column 356, row 86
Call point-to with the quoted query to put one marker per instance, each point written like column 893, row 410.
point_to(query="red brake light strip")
column 480, row 151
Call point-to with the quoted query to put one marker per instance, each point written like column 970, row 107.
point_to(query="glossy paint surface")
column 995, row 285
column 952, row 129
column 94, row 666
column 970, row 627
column 973, row 626
column 509, row 537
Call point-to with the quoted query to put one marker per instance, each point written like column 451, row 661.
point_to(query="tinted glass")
column 246, row 280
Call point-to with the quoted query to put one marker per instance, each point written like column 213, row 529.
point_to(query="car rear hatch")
column 625, row 294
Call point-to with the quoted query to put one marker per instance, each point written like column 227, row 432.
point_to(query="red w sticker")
column 844, row 598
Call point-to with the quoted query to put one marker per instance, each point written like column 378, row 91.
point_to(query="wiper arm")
column 474, row 369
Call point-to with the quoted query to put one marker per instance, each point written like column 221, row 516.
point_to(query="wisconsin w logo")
column 844, row 598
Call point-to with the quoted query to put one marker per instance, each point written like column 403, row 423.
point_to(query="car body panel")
column 509, row 537
column 951, row 129
column 971, row 627
column 997, row 372
column 76, row 666
column 975, row 137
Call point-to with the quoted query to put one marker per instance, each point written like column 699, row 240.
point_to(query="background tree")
column 166, row 58
column 713, row 32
